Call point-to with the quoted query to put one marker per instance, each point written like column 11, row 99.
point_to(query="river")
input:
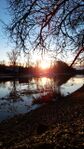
column 17, row 96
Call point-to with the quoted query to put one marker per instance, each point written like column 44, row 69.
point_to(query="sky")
column 5, row 44
column 4, row 17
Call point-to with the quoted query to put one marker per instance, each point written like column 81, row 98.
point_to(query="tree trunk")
column 77, row 55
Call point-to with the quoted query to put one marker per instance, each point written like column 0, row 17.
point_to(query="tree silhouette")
column 13, row 57
column 38, row 23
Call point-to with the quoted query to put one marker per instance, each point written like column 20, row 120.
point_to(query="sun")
column 44, row 65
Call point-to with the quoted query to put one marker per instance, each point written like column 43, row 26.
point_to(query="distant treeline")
column 20, row 70
column 11, row 70
column 59, row 67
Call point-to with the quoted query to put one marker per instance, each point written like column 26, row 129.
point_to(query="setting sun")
column 44, row 65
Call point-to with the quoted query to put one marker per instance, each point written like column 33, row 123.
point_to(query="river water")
column 17, row 96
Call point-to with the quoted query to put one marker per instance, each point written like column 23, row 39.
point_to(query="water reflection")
column 22, row 95
column 72, row 85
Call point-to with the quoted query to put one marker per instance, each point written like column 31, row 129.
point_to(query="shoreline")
column 24, row 75
column 55, row 124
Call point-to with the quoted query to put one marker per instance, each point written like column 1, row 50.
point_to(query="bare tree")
column 37, row 23
column 28, row 59
column 13, row 57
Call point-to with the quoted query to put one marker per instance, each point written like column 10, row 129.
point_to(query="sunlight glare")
column 44, row 65
column 44, row 81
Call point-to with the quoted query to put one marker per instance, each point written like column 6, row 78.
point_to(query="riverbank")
column 58, row 124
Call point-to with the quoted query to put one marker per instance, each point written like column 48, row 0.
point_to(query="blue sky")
column 5, row 44
column 4, row 17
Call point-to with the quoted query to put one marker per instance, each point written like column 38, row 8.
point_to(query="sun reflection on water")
column 43, row 81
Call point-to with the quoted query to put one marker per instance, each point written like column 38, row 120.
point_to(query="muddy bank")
column 54, row 125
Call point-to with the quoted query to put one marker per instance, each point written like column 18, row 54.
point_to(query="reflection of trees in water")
column 53, row 92
column 27, row 86
column 14, row 94
column 7, row 102
column 11, row 102
column 54, row 84
column 3, row 84
column 34, row 86
column 44, row 84
column 59, row 80
column 37, row 83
